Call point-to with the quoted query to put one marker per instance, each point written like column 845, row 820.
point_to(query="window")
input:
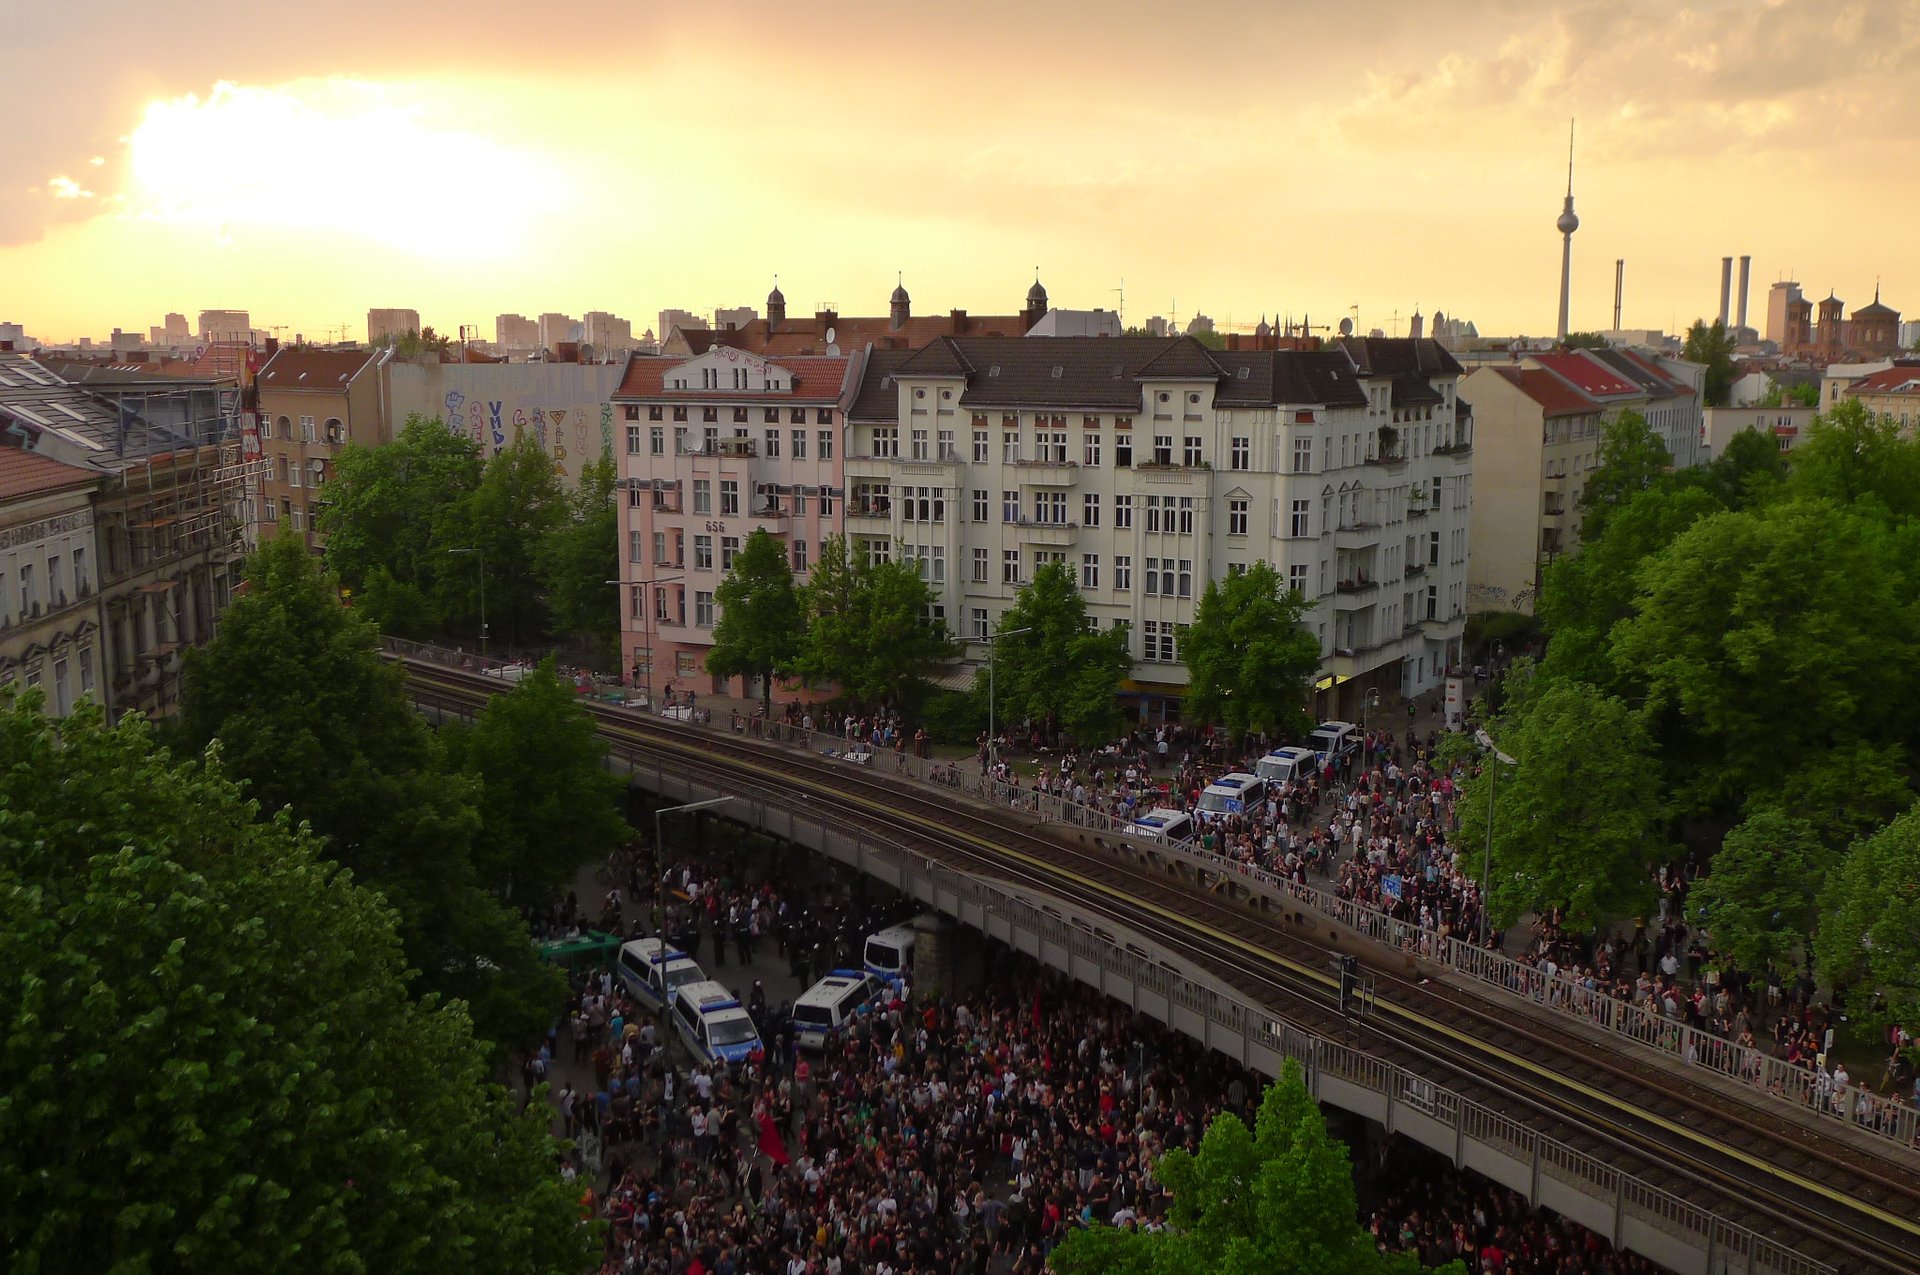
column 633, row 440
column 1299, row 524
column 1093, row 447
column 1186, row 515
column 1166, row 577
column 26, row 589
column 81, row 584
column 1050, row 508
column 878, row 551
column 980, row 445
column 1090, row 509
column 703, row 609
column 1009, row 506
column 86, row 670
column 979, row 566
column 1153, row 515
column 657, row 440
column 1193, row 453
column 826, row 502
column 1242, row 453
column 1433, row 602
column 773, row 444
column 1436, row 494
column 979, row 624
column 636, row 546
column 1123, row 513
column 299, row 513
column 1153, row 577
column 1297, row 577
column 1089, row 570
column 772, row 415
column 1186, row 577
column 1163, row 449
column 1237, row 517
column 702, row 496
column 679, row 414
column 659, row 548
column 1009, row 566
column 979, row 505
column 729, row 497
column 295, row 475
column 739, row 415
column 709, row 440
column 729, row 550
column 823, row 416
column 947, row 450
column 1123, row 572
column 1123, row 449
column 306, row 429
column 798, row 416
column 1053, row 447
column 680, row 440
column 655, row 412
column 270, row 512
column 709, row 414
column 826, row 444
column 799, row 440
column 1010, row 446
column 1433, row 548
column 1159, row 645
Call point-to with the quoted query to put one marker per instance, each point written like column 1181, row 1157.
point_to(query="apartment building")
column 714, row 448
column 1152, row 466
column 1893, row 391
column 392, row 322
column 50, row 612
column 829, row 332
column 312, row 403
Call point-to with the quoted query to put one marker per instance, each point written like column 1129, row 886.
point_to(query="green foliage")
column 1758, row 898
column 1851, row 455
column 312, row 720
column 1062, row 671
column 510, row 517
column 1748, row 471
column 384, row 518
column 547, row 804
column 1251, row 660
column 211, row 1062
column 1211, row 340
column 1869, row 940
column 868, row 626
column 954, row 717
column 412, row 344
column 758, row 632
column 1575, row 822
column 1712, row 347
column 1278, row 1197
column 1585, row 341
column 1803, row 394
column 1631, row 460
column 582, row 553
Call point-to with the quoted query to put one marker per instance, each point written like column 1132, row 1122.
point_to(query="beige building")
column 312, row 403
column 1786, row 425
column 567, row 407
column 1893, row 392
column 382, row 324
column 50, row 608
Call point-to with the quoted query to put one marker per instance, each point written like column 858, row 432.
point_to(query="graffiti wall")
column 564, row 406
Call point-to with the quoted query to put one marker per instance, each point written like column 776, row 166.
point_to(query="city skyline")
column 1292, row 169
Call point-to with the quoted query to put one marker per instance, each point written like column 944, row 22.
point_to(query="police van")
column 1235, row 794
column 652, row 971
column 1288, row 765
column 826, row 1008
column 1163, row 821
column 888, row 954
column 710, row 1019
column 1335, row 741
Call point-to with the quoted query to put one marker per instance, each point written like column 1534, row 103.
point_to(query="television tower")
column 1568, row 223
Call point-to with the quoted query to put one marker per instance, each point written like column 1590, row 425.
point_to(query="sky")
column 307, row 162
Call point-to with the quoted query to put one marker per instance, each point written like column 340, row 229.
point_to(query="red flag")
column 771, row 1143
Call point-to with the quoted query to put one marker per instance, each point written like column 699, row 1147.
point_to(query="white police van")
column 652, row 971
column 888, row 953
column 1235, row 794
column 825, row 1009
column 1335, row 741
column 709, row 1018
column 1287, row 765
column 1162, row 821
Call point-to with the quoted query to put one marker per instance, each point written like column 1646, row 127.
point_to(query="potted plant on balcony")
column 1389, row 443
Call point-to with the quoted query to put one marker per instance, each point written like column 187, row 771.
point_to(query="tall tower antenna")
column 1567, row 224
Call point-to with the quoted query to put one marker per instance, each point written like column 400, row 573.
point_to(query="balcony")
column 1416, row 509
column 934, row 461
column 1444, row 626
column 1045, row 473
column 1046, row 533
column 1458, row 450
column 1355, row 595
column 870, row 510
column 871, row 466
column 1356, row 535
column 1414, row 569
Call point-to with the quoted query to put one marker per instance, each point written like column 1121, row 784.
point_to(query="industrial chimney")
column 1619, row 283
column 1746, row 265
column 1726, row 287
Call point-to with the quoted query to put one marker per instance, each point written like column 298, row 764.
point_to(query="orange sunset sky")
column 307, row 162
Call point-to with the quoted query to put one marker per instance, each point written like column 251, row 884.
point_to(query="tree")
column 411, row 344
column 1585, row 341
column 380, row 517
column 1631, row 459
column 1748, row 471
column 1250, row 659
column 869, row 625
column 582, row 553
column 547, row 804
column 1759, row 897
column 1869, row 940
column 758, row 633
column 1575, row 821
column 1800, row 394
column 1277, row 1198
column 1851, row 455
column 212, row 1061
column 1713, row 348
column 312, row 720
column 517, row 506
column 1062, row 671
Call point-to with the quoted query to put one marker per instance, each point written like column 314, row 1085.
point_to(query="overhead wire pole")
column 660, row 852
column 483, row 599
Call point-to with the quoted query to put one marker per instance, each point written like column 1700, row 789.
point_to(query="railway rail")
column 1835, row 1205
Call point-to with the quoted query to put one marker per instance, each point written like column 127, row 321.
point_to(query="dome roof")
column 899, row 294
column 776, row 297
column 1036, row 292
column 1265, row 328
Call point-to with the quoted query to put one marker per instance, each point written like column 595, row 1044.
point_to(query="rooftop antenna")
column 1122, row 310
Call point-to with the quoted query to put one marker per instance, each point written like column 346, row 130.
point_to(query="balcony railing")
column 1454, row 449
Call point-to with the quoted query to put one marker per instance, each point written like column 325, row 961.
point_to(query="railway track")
column 1818, row 1196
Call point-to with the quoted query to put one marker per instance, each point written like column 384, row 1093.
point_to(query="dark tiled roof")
column 814, row 379
column 1876, row 310
column 804, row 335
column 1058, row 371
column 1184, row 359
column 878, row 400
column 1400, row 356
column 1322, row 378
column 329, row 370
column 24, row 473
column 939, row 358
column 1656, row 383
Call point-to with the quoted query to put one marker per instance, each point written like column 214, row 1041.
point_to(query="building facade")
column 382, row 324
column 831, row 333
column 516, row 332
column 1893, row 392
column 312, row 404
column 226, row 325
column 566, row 407
column 50, row 608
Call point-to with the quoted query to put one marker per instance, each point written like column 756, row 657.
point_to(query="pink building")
column 717, row 446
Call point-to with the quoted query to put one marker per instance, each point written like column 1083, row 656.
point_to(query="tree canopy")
column 509, row 518
column 1249, row 657
column 580, row 554
column 1712, row 345
column 1631, row 459
column 758, row 632
column 1759, row 898
column 869, row 625
column 1278, row 1197
column 1869, row 940
column 212, row 1062
column 1052, row 666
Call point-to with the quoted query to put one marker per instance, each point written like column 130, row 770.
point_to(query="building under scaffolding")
column 175, row 516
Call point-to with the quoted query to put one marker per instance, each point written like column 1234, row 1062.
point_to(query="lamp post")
column 646, row 623
column 483, row 599
column 1486, row 862
column 993, row 743
column 660, row 851
column 1370, row 701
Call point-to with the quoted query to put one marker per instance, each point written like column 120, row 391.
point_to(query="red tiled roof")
column 813, row 379
column 24, row 473
column 313, row 369
column 1590, row 376
column 1902, row 378
column 1555, row 396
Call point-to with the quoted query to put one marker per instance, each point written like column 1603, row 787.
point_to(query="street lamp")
column 1486, row 862
column 646, row 625
column 993, row 743
column 483, row 599
column 660, row 853
column 1371, row 701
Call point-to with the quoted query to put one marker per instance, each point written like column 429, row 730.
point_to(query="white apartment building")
column 1153, row 466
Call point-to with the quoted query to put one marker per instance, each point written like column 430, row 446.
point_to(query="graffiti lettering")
column 606, row 429
column 499, row 432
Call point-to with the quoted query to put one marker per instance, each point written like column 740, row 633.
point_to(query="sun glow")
column 382, row 162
